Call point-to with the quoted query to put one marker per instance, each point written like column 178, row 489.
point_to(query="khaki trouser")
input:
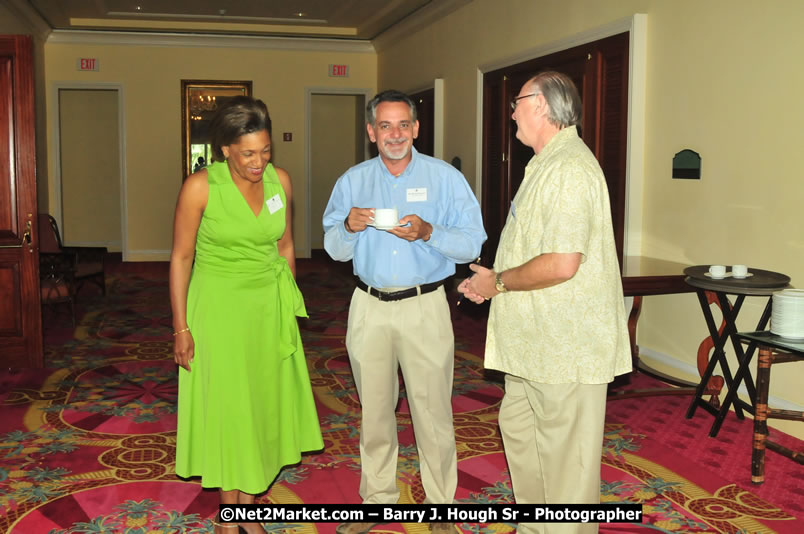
column 553, row 438
column 416, row 335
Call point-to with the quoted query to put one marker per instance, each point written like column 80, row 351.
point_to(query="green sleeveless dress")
column 246, row 409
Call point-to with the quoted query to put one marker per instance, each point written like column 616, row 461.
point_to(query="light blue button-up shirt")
column 429, row 188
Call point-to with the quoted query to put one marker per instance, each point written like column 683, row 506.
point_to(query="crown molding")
column 420, row 19
column 38, row 25
column 208, row 41
column 206, row 27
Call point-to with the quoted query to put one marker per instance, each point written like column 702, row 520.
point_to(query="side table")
column 760, row 283
column 645, row 276
column 772, row 349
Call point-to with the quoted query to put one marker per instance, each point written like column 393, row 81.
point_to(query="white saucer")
column 727, row 275
column 397, row 225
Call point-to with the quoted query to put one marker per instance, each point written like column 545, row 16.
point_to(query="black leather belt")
column 387, row 296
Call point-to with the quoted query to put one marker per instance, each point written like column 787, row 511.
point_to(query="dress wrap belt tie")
column 290, row 298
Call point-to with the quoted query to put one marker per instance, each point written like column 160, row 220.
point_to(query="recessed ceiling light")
column 300, row 14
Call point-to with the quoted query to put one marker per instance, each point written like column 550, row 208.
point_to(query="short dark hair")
column 236, row 117
column 391, row 95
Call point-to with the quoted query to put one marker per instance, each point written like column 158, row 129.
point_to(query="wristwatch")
column 498, row 282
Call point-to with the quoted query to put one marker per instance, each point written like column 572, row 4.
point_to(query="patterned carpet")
column 87, row 445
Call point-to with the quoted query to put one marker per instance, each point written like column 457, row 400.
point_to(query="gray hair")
column 391, row 95
column 561, row 95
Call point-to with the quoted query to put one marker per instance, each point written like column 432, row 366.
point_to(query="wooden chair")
column 57, row 280
column 90, row 261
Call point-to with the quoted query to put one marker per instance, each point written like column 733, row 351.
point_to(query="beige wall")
column 90, row 168
column 721, row 80
column 150, row 78
column 336, row 139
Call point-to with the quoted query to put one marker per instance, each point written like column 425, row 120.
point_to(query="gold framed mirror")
column 199, row 101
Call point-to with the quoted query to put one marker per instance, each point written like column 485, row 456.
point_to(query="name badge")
column 274, row 204
column 417, row 194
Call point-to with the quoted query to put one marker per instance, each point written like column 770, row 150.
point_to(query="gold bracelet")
column 180, row 331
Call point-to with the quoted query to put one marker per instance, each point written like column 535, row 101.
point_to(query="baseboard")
column 687, row 371
column 146, row 255
column 111, row 245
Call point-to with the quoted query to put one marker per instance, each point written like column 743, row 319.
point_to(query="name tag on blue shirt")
column 417, row 194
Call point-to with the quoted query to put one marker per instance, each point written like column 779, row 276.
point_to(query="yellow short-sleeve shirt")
column 574, row 331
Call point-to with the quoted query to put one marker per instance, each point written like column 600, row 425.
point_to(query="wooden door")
column 425, row 112
column 600, row 71
column 20, row 319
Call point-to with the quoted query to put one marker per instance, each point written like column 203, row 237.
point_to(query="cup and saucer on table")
column 736, row 277
column 719, row 272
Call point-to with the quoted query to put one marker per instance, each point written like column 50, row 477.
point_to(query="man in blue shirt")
column 399, row 315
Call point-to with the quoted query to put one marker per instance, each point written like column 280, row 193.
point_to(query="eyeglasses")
column 516, row 100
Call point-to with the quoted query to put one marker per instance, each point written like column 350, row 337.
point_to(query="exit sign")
column 339, row 71
column 87, row 63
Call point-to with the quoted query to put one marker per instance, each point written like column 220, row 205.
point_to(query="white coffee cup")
column 386, row 217
column 739, row 271
column 717, row 271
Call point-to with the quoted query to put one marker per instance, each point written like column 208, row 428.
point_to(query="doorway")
column 336, row 140
column 90, row 155
column 90, row 166
column 425, row 111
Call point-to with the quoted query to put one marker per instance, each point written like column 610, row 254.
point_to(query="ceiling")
column 338, row 19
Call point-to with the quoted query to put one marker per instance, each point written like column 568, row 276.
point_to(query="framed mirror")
column 199, row 101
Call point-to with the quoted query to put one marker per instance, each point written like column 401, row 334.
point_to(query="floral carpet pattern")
column 87, row 445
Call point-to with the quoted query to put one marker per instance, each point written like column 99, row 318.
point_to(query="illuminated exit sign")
column 339, row 71
column 87, row 63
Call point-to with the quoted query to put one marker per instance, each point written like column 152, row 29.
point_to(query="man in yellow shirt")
column 557, row 325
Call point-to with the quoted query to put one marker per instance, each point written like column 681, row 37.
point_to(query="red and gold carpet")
column 87, row 444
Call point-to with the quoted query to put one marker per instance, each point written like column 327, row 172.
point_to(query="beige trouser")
column 553, row 439
column 416, row 335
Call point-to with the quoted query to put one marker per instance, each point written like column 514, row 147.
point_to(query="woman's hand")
column 184, row 349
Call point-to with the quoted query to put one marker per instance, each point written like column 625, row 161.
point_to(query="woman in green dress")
column 246, row 406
